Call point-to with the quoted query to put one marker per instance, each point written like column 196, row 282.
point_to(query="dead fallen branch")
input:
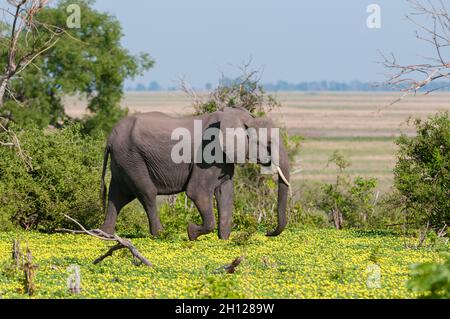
column 230, row 268
column 99, row 234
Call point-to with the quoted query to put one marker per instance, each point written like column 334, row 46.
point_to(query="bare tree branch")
column 243, row 91
column 14, row 142
column 411, row 78
column 24, row 24
column 99, row 234
column 24, row 28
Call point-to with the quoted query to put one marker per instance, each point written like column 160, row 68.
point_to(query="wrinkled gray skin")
column 141, row 166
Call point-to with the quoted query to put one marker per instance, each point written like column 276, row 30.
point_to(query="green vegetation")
column 422, row 173
column 431, row 280
column 303, row 263
column 349, row 203
column 64, row 178
column 48, row 171
column 88, row 61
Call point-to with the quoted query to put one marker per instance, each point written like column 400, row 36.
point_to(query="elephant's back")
column 144, row 140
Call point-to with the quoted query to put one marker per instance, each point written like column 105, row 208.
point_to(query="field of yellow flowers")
column 307, row 263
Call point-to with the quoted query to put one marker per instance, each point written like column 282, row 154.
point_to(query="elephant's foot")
column 224, row 234
column 193, row 231
column 156, row 230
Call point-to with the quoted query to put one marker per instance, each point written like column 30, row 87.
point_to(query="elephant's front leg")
column 203, row 201
column 224, row 198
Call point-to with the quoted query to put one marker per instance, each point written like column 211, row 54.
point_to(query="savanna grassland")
column 303, row 262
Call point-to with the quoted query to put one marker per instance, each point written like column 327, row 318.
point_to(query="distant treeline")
column 303, row 86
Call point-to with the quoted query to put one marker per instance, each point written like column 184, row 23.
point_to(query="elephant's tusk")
column 280, row 173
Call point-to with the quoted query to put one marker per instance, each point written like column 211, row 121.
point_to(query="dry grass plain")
column 361, row 125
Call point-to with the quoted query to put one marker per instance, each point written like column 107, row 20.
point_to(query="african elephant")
column 142, row 166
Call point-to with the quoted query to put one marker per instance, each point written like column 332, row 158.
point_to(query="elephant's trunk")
column 283, row 191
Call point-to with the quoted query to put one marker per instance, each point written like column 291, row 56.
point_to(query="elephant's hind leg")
column 148, row 201
column 146, row 192
column 203, row 202
column 117, row 199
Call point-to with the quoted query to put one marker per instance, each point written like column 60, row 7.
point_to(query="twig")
column 442, row 232
column 14, row 142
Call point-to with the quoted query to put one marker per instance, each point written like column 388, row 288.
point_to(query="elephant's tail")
column 105, row 164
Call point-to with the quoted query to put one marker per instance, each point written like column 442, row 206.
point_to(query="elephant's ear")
column 233, row 125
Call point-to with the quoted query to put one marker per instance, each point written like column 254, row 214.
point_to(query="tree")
column 154, row 86
column 422, row 172
column 24, row 26
column 87, row 61
column 413, row 77
column 16, row 57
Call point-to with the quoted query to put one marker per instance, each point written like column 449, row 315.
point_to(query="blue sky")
column 290, row 40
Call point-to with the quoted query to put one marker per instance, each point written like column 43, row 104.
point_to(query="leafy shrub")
column 422, row 172
column 244, row 91
column 176, row 214
column 387, row 211
column 348, row 202
column 64, row 178
column 305, row 211
column 132, row 221
column 431, row 280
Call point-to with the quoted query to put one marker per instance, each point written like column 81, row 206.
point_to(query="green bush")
column 79, row 63
column 348, row 202
column 431, row 280
column 132, row 221
column 387, row 212
column 422, row 172
column 176, row 214
column 64, row 178
column 305, row 211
